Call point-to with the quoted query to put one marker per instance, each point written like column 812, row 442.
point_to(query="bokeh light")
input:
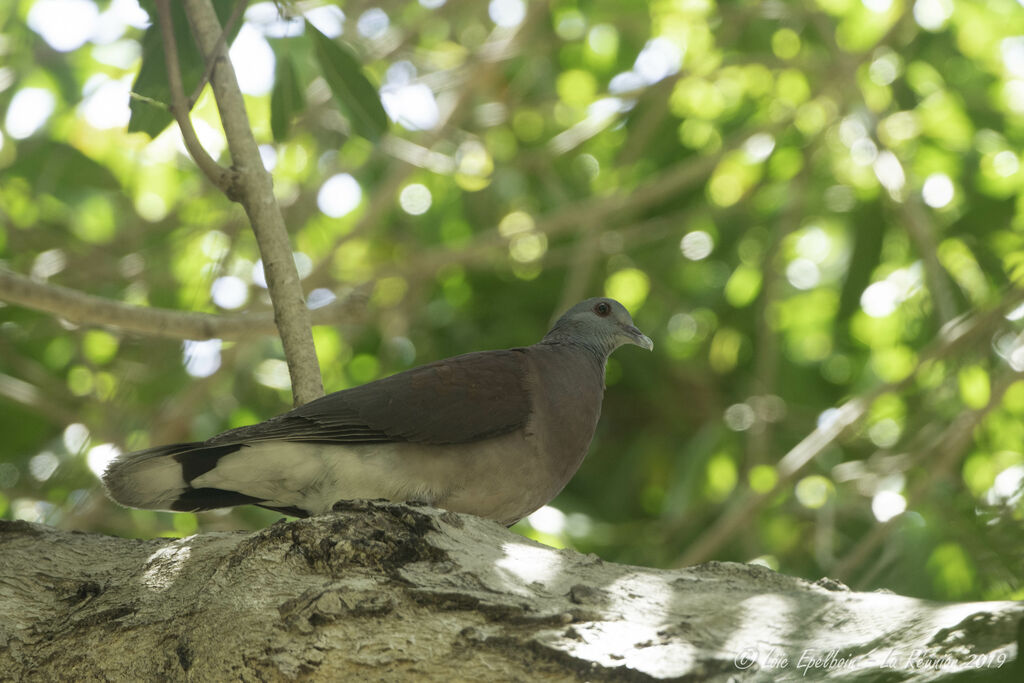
column 339, row 195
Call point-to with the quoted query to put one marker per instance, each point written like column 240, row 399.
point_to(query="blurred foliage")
column 793, row 198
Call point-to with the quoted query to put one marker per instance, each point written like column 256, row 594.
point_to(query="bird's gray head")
column 601, row 324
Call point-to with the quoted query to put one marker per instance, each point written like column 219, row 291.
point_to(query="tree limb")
column 255, row 190
column 383, row 591
column 86, row 309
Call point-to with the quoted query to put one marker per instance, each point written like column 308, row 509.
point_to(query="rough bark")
column 381, row 591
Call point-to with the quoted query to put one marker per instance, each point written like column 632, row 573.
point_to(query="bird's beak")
column 637, row 337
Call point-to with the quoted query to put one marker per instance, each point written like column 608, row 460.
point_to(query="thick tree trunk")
column 381, row 591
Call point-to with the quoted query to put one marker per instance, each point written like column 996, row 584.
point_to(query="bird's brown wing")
column 465, row 398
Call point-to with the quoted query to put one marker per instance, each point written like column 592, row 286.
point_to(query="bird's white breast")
column 502, row 478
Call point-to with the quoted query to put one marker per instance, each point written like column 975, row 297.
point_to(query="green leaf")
column 99, row 346
column 148, row 116
column 59, row 169
column 975, row 386
column 286, row 99
column 743, row 286
column 354, row 93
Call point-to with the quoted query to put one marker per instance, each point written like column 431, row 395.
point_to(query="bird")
column 497, row 434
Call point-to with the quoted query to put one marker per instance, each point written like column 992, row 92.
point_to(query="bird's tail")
column 160, row 478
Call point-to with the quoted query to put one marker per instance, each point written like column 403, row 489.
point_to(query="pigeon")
column 497, row 434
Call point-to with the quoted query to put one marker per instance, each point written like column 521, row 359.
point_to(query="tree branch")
column 922, row 232
column 398, row 592
column 255, row 191
column 761, row 435
column 236, row 14
column 218, row 175
column 86, row 309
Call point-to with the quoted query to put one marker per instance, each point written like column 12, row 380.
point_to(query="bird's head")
column 599, row 323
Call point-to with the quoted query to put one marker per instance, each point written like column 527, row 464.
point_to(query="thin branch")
column 29, row 395
column 761, row 435
column 217, row 174
column 255, row 190
column 650, row 116
column 922, row 232
column 86, row 309
column 952, row 338
column 584, row 255
column 236, row 14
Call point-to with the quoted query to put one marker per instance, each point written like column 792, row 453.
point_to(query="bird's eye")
column 602, row 308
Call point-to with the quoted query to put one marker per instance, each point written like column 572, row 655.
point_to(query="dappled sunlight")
column 64, row 24
column 201, row 358
column 887, row 504
column 28, row 111
column 415, row 199
column 412, row 105
column 548, row 520
column 229, row 292
column 507, row 13
column 43, row 465
column 339, row 195
column 329, row 19
column 938, row 190
column 614, row 644
column 106, row 103
column 749, row 627
column 638, row 614
column 101, row 456
column 653, row 587
column 373, row 23
column 525, row 563
column 163, row 566
column 254, row 61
